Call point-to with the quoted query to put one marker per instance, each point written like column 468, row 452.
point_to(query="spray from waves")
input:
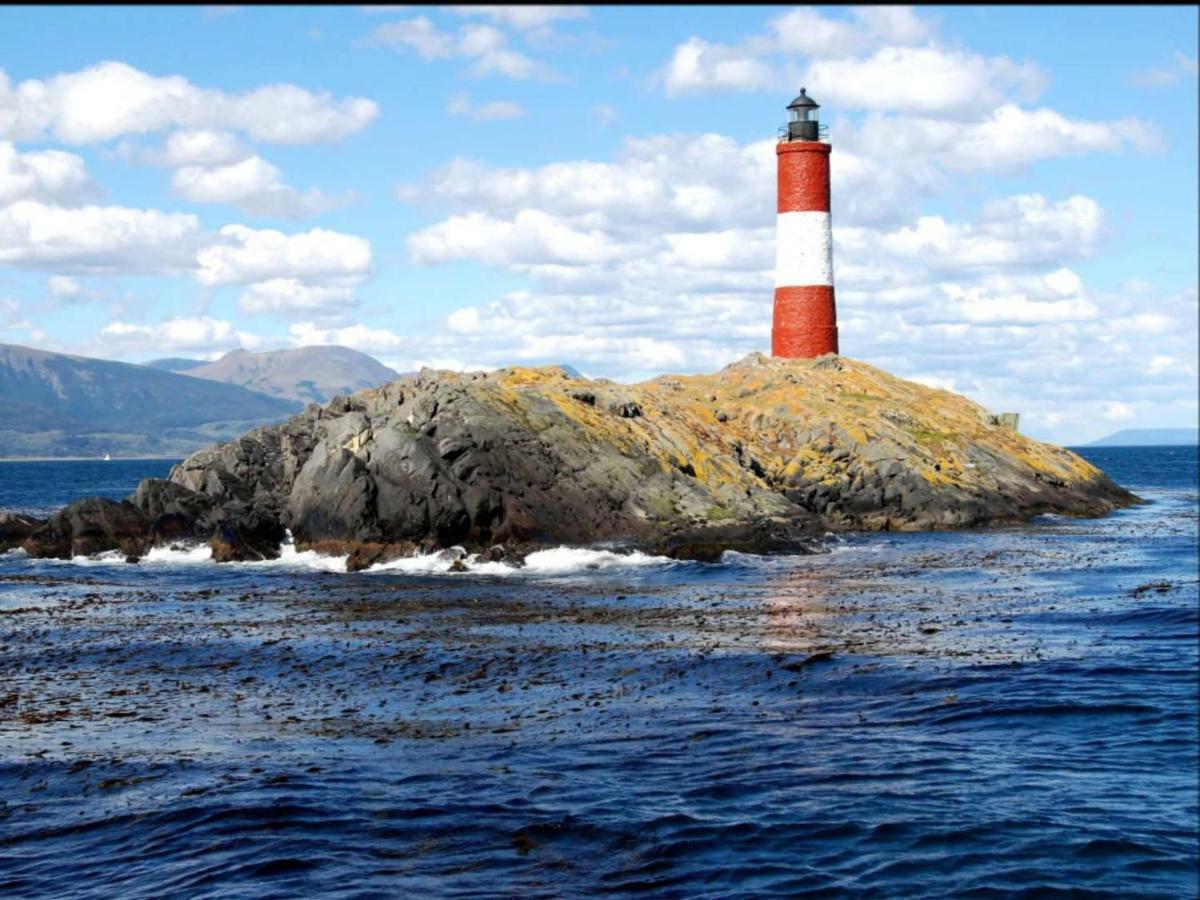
column 556, row 561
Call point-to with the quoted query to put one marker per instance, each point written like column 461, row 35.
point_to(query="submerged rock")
column 758, row 456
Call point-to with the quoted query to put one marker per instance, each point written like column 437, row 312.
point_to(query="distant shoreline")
column 8, row 459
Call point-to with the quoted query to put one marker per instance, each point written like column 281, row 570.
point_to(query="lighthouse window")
column 793, row 115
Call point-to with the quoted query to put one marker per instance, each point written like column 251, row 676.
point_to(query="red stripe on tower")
column 805, row 320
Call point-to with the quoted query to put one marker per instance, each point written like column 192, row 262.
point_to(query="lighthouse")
column 805, row 320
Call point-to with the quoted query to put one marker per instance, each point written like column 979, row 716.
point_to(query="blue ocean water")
column 40, row 487
column 1003, row 712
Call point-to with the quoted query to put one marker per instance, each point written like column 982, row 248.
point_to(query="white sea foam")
column 556, row 561
column 289, row 557
column 178, row 556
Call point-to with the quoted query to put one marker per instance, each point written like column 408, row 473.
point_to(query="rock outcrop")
column 761, row 455
column 92, row 525
column 15, row 529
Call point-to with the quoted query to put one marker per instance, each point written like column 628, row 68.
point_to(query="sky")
column 1014, row 190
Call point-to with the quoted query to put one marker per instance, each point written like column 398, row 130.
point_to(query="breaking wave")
column 555, row 561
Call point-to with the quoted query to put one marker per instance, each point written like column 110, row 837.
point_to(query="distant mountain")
column 1149, row 437
column 175, row 364
column 52, row 404
column 306, row 374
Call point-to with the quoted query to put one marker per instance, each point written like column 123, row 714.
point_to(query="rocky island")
column 763, row 455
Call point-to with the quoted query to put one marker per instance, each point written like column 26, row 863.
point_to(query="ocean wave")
column 554, row 561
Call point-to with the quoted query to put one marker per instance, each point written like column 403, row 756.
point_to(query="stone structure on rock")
column 805, row 318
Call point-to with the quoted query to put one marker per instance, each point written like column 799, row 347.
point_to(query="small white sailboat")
column 107, row 457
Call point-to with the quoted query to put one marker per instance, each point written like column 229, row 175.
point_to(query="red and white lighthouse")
column 805, row 320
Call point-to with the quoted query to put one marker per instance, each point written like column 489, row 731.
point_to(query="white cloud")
column 460, row 104
column 50, row 176
column 924, row 81
column 1116, row 411
column 1161, row 364
column 254, row 186
column 359, row 337
column 1015, row 231
column 766, row 60
column 244, row 255
column 201, row 333
column 804, row 30
column 291, row 295
column 97, row 239
column 530, row 237
column 655, row 184
column 202, row 147
column 63, row 288
column 698, row 65
column 112, row 99
column 291, row 274
column 485, row 46
column 883, row 169
column 522, row 18
column 1181, row 66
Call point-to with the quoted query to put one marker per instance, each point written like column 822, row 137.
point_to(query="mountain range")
column 1149, row 437
column 306, row 374
column 55, row 404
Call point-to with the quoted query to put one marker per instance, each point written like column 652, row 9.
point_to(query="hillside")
column 52, row 404
column 306, row 374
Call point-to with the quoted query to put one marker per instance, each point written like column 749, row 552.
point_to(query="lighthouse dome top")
column 803, row 101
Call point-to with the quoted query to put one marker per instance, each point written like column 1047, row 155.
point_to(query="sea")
column 1004, row 712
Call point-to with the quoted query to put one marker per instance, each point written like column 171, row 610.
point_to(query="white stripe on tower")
column 803, row 249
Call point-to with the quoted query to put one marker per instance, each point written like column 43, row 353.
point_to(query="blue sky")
column 1014, row 189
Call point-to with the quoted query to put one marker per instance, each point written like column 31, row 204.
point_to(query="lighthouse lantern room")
column 802, row 118
column 805, row 318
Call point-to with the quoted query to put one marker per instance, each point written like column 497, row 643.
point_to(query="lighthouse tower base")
column 805, row 322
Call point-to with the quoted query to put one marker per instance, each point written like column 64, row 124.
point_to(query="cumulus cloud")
column 698, row 65
column 654, row 184
column 242, row 255
column 293, row 295
column 360, row 337
column 97, row 239
column 765, row 60
column 887, row 166
column 201, row 147
column 286, row 273
column 924, row 81
column 1020, row 231
column 113, row 99
column 530, row 237
column 486, row 47
column 254, row 186
column 50, row 176
column 63, row 288
column 460, row 104
column 193, row 334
